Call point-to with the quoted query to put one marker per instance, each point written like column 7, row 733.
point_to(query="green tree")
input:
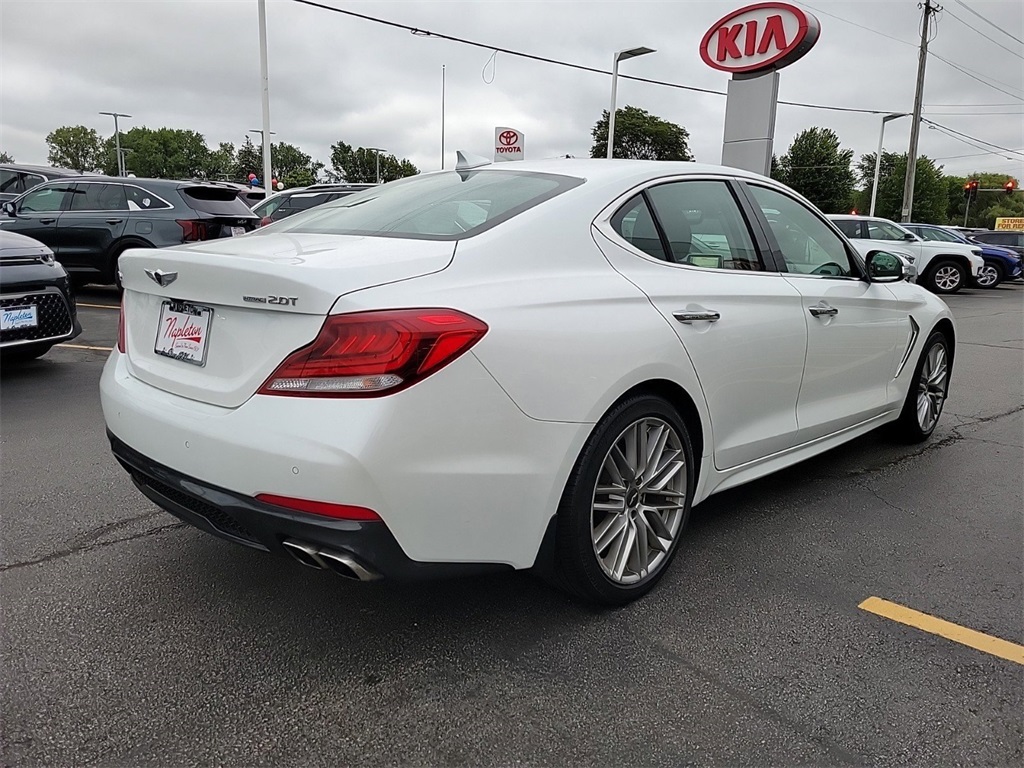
column 5, row 158
column 220, row 162
column 359, row 166
column 817, row 168
column 292, row 166
column 160, row 153
column 76, row 147
column 248, row 160
column 640, row 135
column 931, row 198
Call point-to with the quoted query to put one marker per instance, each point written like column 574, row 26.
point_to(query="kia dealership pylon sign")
column 759, row 37
column 753, row 44
column 509, row 144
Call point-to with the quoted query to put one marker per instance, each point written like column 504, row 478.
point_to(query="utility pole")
column 915, row 128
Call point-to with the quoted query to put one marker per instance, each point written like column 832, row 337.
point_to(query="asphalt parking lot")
column 132, row 639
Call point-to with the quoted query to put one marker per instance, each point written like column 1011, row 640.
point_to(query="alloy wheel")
column 931, row 388
column 639, row 501
column 948, row 278
column 988, row 276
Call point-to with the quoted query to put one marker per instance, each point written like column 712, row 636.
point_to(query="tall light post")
column 629, row 53
column 265, row 79
column 117, row 140
column 878, row 158
column 265, row 153
column 378, row 150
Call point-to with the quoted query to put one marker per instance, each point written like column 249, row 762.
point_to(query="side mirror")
column 884, row 267
column 8, row 208
column 910, row 236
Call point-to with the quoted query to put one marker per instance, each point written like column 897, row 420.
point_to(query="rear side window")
column 219, row 201
column 441, row 206
column 140, row 199
column 98, row 197
column 635, row 224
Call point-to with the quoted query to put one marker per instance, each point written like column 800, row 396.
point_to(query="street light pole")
column 878, row 158
column 377, row 150
column 117, row 140
column 265, row 77
column 264, row 153
column 629, row 53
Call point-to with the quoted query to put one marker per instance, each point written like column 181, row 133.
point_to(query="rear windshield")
column 440, row 206
column 304, row 202
column 220, row 201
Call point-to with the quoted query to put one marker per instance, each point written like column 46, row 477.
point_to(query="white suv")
column 941, row 267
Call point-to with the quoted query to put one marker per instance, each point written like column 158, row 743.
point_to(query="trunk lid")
column 267, row 293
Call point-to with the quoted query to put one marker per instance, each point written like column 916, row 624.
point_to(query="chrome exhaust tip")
column 347, row 567
column 304, row 553
column 342, row 564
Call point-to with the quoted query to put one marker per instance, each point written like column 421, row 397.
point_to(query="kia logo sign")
column 508, row 138
column 759, row 37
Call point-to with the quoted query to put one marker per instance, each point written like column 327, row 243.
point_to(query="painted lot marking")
column 1004, row 649
column 81, row 346
column 98, row 306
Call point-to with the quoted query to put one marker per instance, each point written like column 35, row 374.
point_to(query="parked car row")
column 89, row 221
column 290, row 202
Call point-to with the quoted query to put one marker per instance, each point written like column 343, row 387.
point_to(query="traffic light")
column 967, row 191
column 972, row 189
column 1010, row 186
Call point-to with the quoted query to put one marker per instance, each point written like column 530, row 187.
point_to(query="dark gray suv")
column 88, row 222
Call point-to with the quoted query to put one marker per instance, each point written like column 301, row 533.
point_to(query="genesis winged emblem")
column 160, row 277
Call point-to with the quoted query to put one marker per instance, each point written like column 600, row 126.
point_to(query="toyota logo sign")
column 759, row 37
column 508, row 144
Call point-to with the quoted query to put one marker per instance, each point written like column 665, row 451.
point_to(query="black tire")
column 115, row 273
column 946, row 276
column 991, row 275
column 26, row 353
column 577, row 567
column 909, row 428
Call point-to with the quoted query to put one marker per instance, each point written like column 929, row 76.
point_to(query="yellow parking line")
column 80, row 346
column 98, row 306
column 1004, row 649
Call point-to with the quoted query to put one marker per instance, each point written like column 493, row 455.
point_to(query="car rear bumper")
column 356, row 549
column 457, row 473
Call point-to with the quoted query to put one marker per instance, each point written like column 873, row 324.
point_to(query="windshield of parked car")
column 439, row 206
column 941, row 235
column 883, row 230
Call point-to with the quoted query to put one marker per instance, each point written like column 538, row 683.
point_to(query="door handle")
column 823, row 309
column 706, row 315
column 114, row 221
column 47, row 221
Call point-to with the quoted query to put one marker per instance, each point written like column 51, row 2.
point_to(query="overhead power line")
column 994, row 42
column 972, row 138
column 980, row 79
column 991, row 23
column 570, row 65
column 973, row 154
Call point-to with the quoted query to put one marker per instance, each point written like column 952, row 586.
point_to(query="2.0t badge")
column 284, row 301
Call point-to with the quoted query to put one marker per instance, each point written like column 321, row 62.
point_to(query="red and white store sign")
column 759, row 37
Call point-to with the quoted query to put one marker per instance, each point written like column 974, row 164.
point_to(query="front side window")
column 937, row 235
column 441, row 206
column 808, row 245
column 45, row 200
column 98, row 197
column 883, row 230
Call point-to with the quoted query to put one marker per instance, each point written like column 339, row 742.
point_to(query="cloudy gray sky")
column 195, row 64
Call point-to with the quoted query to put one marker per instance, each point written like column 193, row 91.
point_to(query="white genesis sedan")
column 523, row 365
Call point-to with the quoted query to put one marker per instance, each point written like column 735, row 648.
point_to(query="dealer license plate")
column 183, row 331
column 12, row 318
column 236, row 231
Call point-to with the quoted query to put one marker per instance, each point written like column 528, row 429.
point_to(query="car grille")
column 52, row 313
column 211, row 514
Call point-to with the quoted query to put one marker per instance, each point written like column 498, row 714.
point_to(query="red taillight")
column 265, row 220
column 192, row 230
column 322, row 508
column 121, row 345
column 367, row 354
